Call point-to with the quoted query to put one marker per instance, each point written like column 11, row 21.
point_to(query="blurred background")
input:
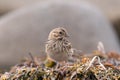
column 109, row 7
column 25, row 25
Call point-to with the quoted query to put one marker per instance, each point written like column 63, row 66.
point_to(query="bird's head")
column 58, row 34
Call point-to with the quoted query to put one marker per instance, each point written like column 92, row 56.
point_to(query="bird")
column 58, row 46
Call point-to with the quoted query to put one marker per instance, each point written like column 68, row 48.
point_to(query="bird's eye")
column 60, row 33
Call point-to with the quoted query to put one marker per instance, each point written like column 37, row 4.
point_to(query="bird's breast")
column 57, row 50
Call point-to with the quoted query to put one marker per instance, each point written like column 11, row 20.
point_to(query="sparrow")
column 58, row 46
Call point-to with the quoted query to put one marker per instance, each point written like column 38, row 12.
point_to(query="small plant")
column 98, row 65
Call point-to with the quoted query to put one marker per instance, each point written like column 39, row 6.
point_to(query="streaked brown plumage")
column 58, row 45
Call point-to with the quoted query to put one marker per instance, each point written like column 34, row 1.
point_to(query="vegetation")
column 99, row 65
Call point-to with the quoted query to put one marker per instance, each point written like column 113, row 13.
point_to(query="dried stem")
column 32, row 58
column 92, row 61
column 101, row 47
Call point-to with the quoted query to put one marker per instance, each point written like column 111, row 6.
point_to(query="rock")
column 26, row 30
column 109, row 7
column 6, row 5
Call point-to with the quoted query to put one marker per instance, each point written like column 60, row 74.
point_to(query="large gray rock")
column 9, row 5
column 111, row 8
column 26, row 29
